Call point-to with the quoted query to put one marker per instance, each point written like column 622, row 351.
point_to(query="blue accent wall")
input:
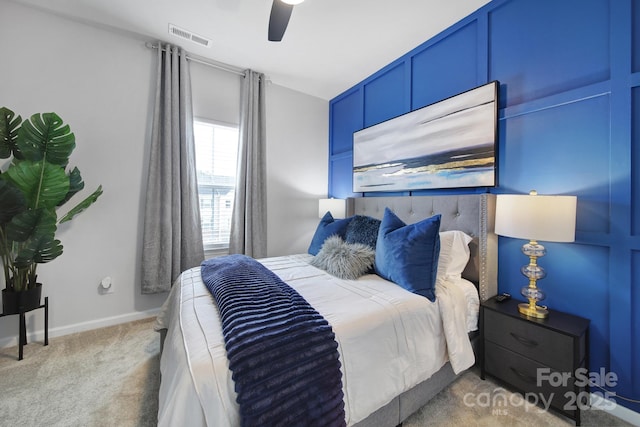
column 569, row 123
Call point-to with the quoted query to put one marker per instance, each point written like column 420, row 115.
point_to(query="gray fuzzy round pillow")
column 344, row 260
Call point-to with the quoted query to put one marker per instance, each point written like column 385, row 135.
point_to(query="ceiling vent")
column 188, row 35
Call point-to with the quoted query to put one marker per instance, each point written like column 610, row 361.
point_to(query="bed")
column 409, row 358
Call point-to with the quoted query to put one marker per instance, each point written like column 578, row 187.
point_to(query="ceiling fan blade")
column 279, row 19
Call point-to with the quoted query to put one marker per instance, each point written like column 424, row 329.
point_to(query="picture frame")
column 448, row 144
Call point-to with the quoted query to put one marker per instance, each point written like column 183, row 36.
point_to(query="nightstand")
column 537, row 357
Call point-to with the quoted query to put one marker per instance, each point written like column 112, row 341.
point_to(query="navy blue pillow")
column 363, row 229
column 408, row 254
column 327, row 227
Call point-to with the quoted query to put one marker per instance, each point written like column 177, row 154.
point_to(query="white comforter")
column 389, row 341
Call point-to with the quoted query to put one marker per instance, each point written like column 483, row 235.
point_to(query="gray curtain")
column 249, row 220
column 172, row 240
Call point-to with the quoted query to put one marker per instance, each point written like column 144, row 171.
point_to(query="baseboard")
column 615, row 409
column 38, row 336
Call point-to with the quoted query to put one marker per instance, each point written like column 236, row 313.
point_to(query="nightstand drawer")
column 522, row 372
column 515, row 348
column 529, row 339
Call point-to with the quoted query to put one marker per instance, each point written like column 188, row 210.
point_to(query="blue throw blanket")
column 282, row 352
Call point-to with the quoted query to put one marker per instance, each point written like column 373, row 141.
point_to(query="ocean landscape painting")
column 449, row 144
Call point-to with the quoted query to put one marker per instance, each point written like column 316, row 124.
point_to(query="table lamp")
column 337, row 207
column 535, row 217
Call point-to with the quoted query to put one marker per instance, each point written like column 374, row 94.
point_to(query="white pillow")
column 473, row 302
column 454, row 253
column 453, row 258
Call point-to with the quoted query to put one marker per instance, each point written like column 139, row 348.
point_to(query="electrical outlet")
column 106, row 286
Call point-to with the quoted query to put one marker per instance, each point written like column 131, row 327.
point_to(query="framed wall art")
column 449, row 144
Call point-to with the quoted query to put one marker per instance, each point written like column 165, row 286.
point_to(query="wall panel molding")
column 385, row 95
column 542, row 48
column 635, row 35
column 445, row 68
column 569, row 122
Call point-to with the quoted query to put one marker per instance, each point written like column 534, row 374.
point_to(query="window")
column 216, row 155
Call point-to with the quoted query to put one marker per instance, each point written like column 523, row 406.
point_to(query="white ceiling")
column 329, row 45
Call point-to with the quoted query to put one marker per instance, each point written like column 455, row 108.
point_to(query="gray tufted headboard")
column 471, row 213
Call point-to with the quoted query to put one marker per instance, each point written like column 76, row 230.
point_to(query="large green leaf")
column 8, row 132
column 39, row 250
column 32, row 224
column 82, row 205
column 42, row 183
column 35, row 231
column 45, row 136
column 12, row 201
column 75, row 184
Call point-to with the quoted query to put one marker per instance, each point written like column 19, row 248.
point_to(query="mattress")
column 389, row 340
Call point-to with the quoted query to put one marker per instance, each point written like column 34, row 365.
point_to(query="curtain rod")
column 220, row 66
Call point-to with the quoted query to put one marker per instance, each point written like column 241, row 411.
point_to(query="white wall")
column 297, row 153
column 101, row 83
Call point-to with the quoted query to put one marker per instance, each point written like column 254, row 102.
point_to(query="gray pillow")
column 344, row 260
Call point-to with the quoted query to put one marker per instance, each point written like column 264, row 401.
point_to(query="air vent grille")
column 188, row 35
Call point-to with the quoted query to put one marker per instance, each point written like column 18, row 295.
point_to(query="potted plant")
column 34, row 184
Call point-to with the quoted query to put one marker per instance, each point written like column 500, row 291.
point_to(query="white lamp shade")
column 292, row 2
column 337, row 207
column 535, row 217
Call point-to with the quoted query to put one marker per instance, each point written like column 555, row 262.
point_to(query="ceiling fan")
column 279, row 19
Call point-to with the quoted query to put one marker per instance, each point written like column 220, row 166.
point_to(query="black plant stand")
column 22, row 340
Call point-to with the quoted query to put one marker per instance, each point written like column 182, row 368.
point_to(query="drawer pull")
column 524, row 341
column 523, row 376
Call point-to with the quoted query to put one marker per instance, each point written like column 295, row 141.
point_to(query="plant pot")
column 16, row 302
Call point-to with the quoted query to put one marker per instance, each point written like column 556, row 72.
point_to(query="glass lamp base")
column 533, row 311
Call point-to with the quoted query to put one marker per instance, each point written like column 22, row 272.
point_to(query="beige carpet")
column 104, row 377
column 468, row 402
column 110, row 377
